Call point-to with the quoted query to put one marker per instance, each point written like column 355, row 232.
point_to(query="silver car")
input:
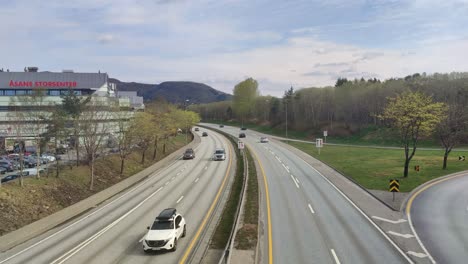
column 220, row 154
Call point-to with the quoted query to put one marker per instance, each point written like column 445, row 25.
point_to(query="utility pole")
column 286, row 121
column 186, row 121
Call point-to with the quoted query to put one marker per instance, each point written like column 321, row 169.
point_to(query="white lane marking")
column 294, row 180
column 278, row 158
column 286, row 168
column 178, row 174
column 83, row 244
column 337, row 261
column 311, row 210
column 85, row 217
column 361, row 212
column 180, row 199
column 173, row 178
column 166, row 183
column 389, row 221
column 206, row 167
column 141, row 240
column 297, row 180
column 419, row 255
column 196, row 180
column 400, row 235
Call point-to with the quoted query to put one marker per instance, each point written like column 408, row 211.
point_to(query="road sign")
column 240, row 144
column 319, row 142
column 461, row 158
column 394, row 185
column 325, row 133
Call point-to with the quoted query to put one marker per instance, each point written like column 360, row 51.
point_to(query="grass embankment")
column 248, row 233
column 372, row 168
column 225, row 224
column 47, row 195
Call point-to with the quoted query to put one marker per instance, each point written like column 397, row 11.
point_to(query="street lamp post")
column 286, row 121
column 186, row 121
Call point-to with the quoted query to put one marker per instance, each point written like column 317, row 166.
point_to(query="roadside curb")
column 47, row 223
column 415, row 190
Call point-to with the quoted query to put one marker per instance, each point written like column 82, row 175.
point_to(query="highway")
column 439, row 213
column 112, row 232
column 311, row 221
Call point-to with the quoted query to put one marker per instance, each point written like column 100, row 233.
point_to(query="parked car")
column 189, row 154
column 30, row 162
column 241, row 135
column 220, row 154
column 3, row 170
column 264, row 140
column 7, row 165
column 204, row 134
column 50, row 157
column 9, row 178
column 165, row 231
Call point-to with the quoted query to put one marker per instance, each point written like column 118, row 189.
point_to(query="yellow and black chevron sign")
column 394, row 185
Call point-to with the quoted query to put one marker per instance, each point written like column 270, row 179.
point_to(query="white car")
column 220, row 154
column 49, row 157
column 166, row 229
column 264, row 140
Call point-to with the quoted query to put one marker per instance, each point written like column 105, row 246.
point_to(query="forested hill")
column 174, row 92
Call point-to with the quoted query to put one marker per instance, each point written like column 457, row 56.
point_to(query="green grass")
column 372, row 168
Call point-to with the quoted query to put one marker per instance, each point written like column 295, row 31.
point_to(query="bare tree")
column 451, row 129
column 94, row 128
column 125, row 136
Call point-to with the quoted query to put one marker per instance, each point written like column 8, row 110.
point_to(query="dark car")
column 9, row 178
column 3, row 170
column 7, row 165
column 189, row 154
column 204, row 134
column 241, row 135
column 221, row 125
column 197, row 129
column 243, row 128
column 30, row 162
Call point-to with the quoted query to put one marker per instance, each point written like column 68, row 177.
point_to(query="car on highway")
column 241, row 135
column 197, row 129
column 204, row 134
column 243, row 128
column 168, row 227
column 189, row 154
column 264, row 140
column 221, row 126
column 220, row 154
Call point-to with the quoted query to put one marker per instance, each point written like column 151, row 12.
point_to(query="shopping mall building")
column 16, row 112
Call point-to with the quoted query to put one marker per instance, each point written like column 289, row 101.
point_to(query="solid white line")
column 278, row 158
column 389, row 221
column 85, row 217
column 400, row 235
column 83, row 244
column 311, row 210
column 337, row 261
column 419, row 255
column 182, row 197
column 297, row 180
column 196, row 180
column 362, row 212
column 419, row 240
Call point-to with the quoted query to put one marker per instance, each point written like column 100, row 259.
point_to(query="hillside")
column 174, row 92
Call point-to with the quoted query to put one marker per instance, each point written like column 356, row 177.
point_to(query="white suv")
column 219, row 154
column 166, row 229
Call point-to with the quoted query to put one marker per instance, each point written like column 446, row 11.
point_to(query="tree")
column 125, row 135
column 451, row 129
column 244, row 96
column 414, row 115
column 74, row 105
column 340, row 81
column 94, row 128
column 56, row 131
column 145, row 132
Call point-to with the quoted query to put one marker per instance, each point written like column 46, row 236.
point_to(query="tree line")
column 352, row 105
column 89, row 123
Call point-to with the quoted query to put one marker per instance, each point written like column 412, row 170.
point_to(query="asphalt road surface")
column 111, row 233
column 440, row 217
column 311, row 221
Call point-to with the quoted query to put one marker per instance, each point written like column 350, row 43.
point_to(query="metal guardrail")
column 226, row 256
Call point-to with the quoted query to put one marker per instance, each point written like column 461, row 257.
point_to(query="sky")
column 220, row 43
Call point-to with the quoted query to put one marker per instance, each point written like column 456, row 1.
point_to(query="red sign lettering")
column 43, row 84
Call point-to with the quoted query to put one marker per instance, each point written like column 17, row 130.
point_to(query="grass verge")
column 247, row 235
column 225, row 224
column 372, row 168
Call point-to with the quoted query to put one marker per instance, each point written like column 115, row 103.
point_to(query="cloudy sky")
column 279, row 43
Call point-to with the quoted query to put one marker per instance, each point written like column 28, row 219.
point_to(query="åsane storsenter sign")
column 41, row 84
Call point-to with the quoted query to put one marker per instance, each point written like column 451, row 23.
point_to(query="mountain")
column 174, row 92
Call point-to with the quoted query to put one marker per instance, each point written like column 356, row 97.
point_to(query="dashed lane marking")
column 180, row 199
column 337, row 261
column 311, row 210
column 196, row 180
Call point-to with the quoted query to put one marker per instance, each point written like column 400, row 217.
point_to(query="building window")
column 9, row 92
column 54, row 92
column 20, row 92
column 2, row 92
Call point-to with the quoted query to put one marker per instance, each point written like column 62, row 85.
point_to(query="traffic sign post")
column 394, row 186
column 240, row 145
column 319, row 144
column 325, row 134
column 461, row 158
